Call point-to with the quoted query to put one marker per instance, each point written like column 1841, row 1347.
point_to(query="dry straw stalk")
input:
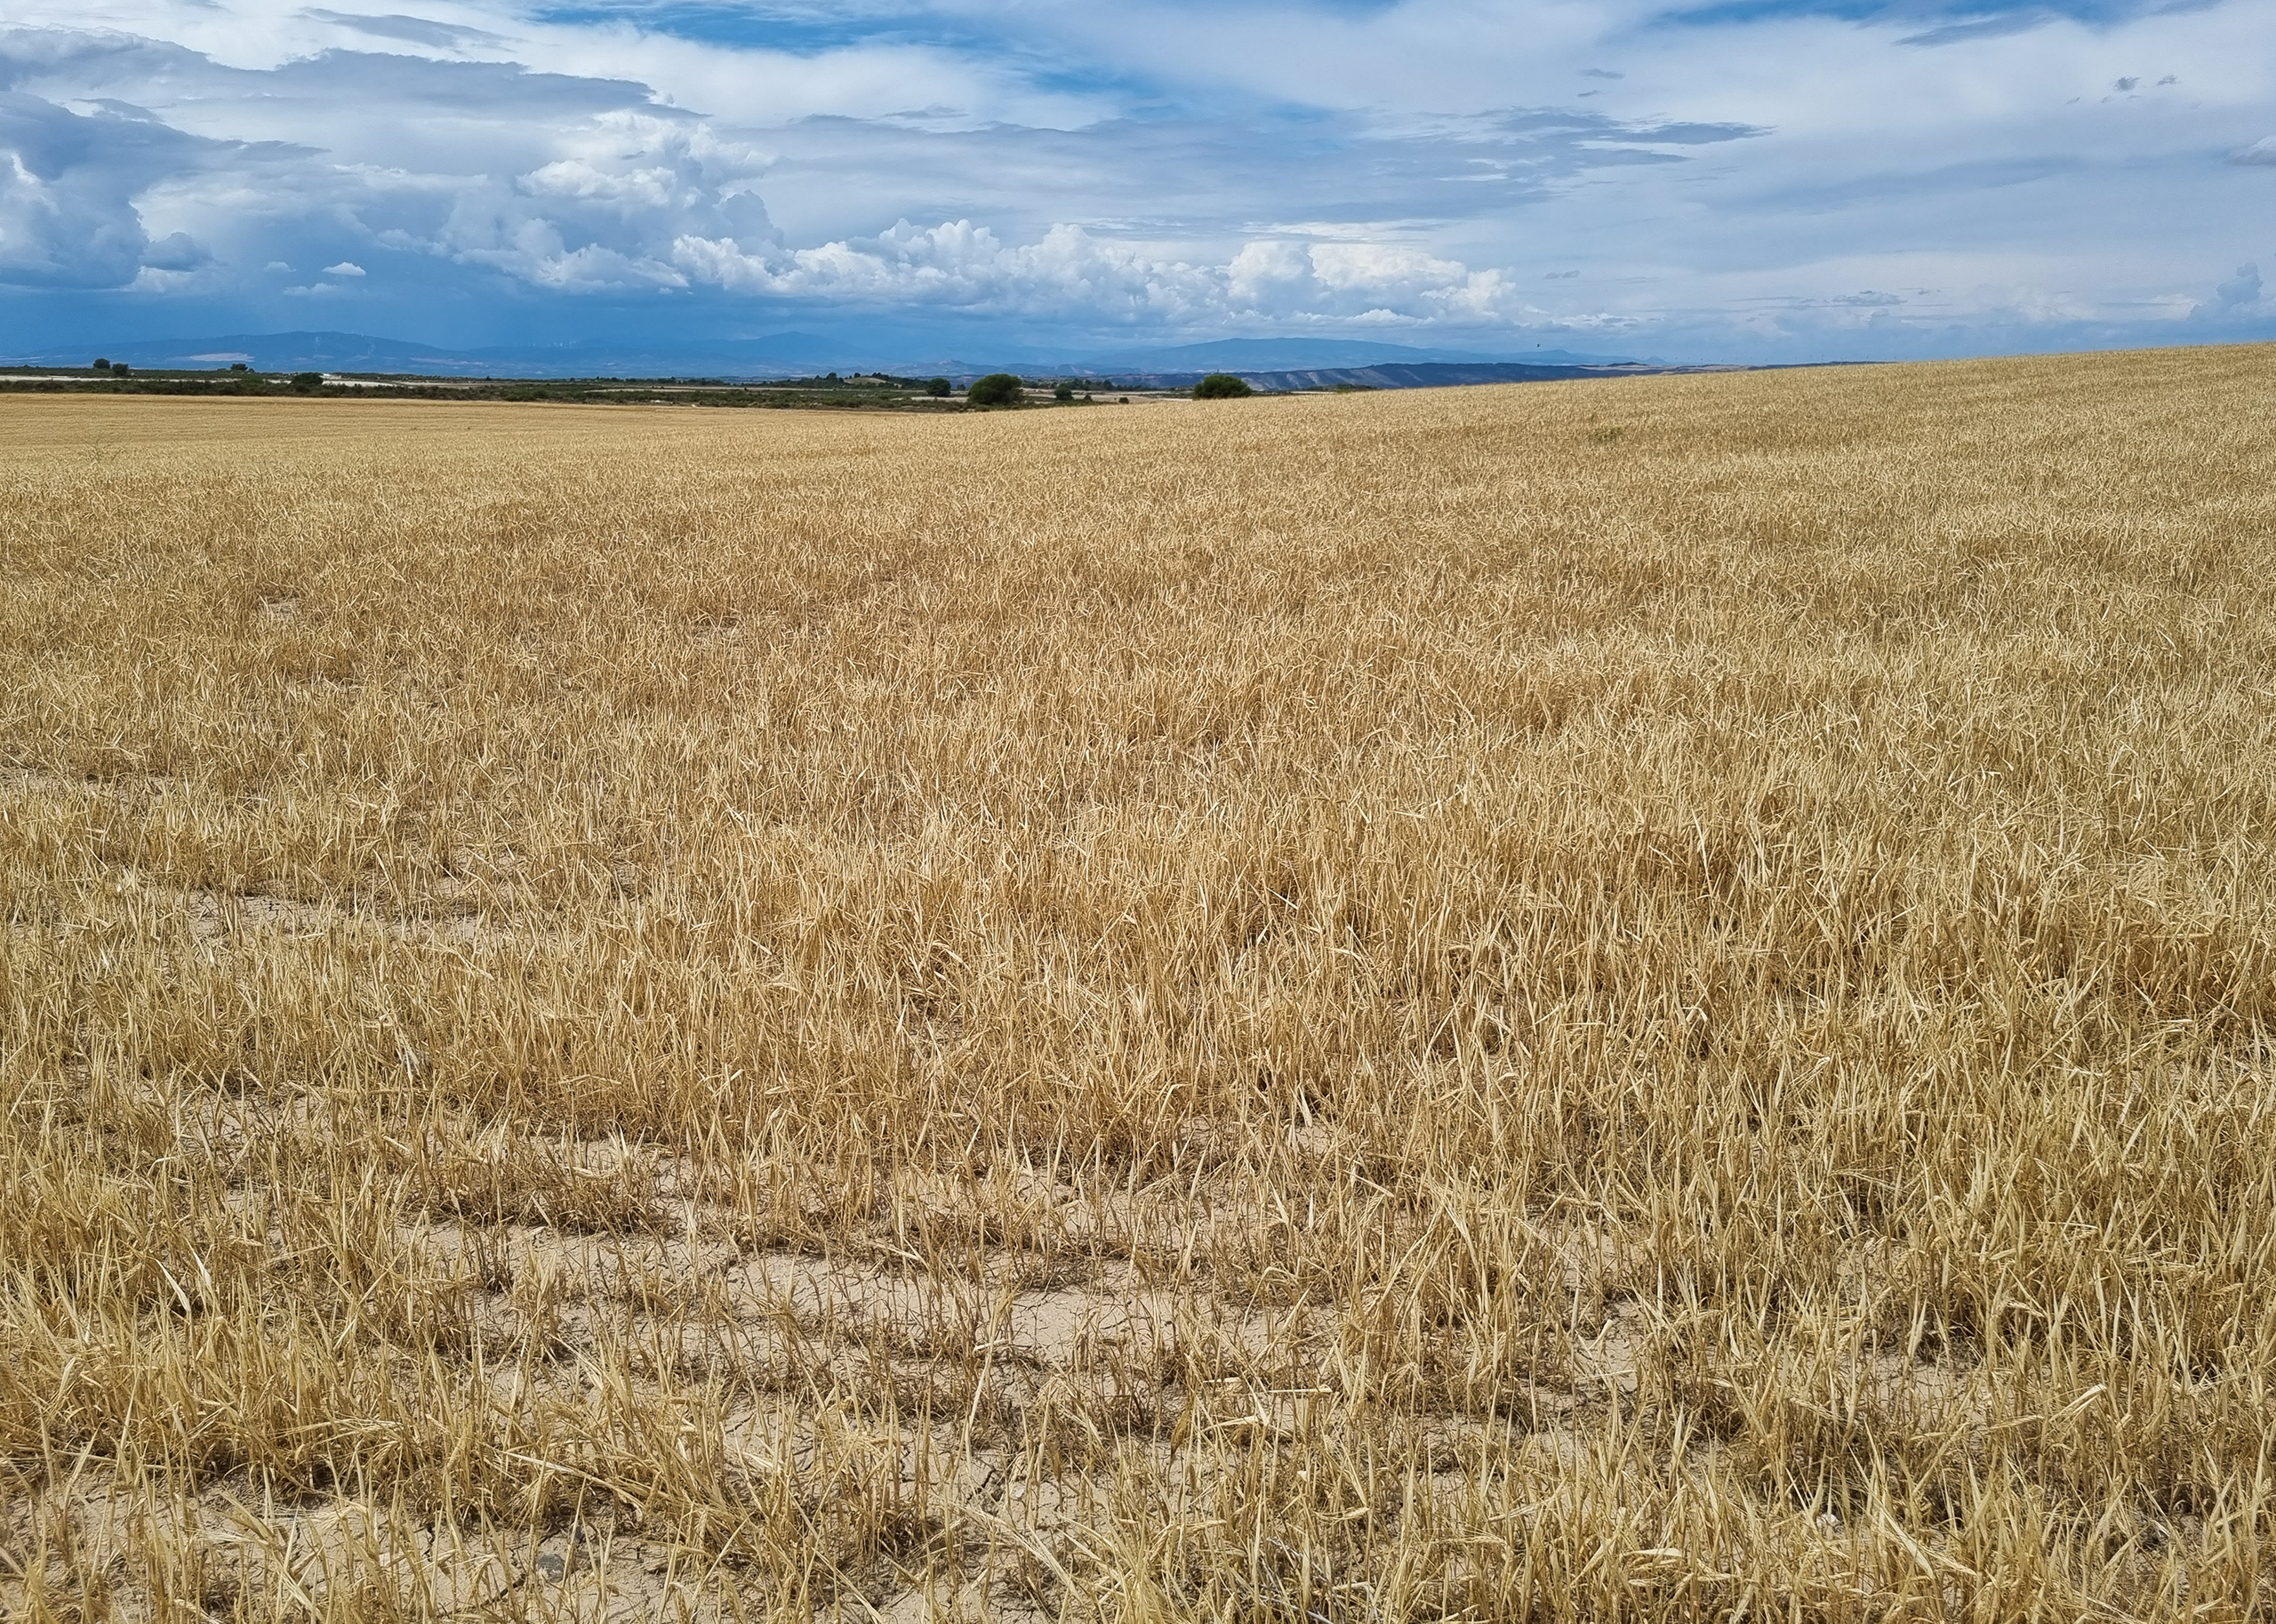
column 1641, row 1001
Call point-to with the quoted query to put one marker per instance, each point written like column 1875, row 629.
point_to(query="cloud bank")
column 1773, row 180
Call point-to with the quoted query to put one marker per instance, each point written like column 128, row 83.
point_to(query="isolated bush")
column 1221, row 386
column 239, row 366
column 101, row 365
column 1064, row 391
column 307, row 383
column 996, row 390
column 939, row 386
column 119, row 369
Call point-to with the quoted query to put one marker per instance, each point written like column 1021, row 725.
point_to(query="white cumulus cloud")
column 1069, row 270
column 1735, row 179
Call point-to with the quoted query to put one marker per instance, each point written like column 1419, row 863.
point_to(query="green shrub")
column 1221, row 386
column 939, row 386
column 307, row 383
column 1065, row 391
column 996, row 390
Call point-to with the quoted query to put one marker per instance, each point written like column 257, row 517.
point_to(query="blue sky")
column 1745, row 179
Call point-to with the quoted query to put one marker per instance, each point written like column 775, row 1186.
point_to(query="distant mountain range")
column 1424, row 375
column 1306, row 355
column 787, row 354
column 783, row 355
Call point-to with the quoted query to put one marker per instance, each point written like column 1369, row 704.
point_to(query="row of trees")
column 1005, row 389
column 996, row 390
column 304, row 383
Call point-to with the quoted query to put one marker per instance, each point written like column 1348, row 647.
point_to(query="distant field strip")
column 1634, row 1000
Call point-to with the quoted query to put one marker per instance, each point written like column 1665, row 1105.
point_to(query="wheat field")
column 1632, row 1001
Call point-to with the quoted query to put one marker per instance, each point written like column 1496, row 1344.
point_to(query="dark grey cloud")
column 124, row 110
column 1186, row 177
column 344, row 85
column 69, row 183
column 1354, row 170
column 2243, row 288
column 1983, row 27
column 555, row 179
column 412, row 30
column 1689, row 135
column 88, row 60
column 177, row 251
column 490, row 90
column 1937, row 180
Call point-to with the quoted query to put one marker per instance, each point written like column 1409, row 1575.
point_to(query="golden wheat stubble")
column 1603, row 1001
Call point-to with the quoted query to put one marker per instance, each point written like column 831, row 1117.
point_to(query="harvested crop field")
column 1647, row 1000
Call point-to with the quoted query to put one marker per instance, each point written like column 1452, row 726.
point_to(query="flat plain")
column 1643, row 1000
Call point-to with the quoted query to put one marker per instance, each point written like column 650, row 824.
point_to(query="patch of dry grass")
column 1644, row 1001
